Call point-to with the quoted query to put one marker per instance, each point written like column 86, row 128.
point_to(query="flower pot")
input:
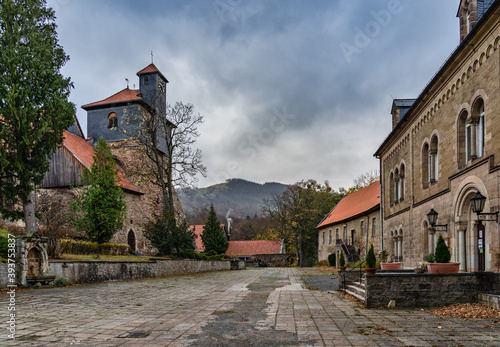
column 370, row 270
column 442, row 268
column 390, row 266
column 342, row 268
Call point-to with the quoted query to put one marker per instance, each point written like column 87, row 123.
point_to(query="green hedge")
column 88, row 247
column 211, row 255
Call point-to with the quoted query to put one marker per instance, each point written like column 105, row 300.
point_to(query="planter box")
column 390, row 266
column 442, row 268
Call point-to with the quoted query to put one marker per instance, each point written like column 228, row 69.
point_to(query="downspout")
column 381, row 207
column 367, row 228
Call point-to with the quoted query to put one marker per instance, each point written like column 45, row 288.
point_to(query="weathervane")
column 151, row 56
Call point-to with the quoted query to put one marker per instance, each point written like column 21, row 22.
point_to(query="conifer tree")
column 213, row 237
column 34, row 106
column 442, row 253
column 100, row 207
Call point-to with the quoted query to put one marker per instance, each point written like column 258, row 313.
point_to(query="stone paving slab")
column 253, row 307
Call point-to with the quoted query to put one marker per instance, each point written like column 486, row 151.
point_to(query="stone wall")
column 100, row 271
column 429, row 290
column 280, row 260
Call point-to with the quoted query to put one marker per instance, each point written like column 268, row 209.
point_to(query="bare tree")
column 166, row 135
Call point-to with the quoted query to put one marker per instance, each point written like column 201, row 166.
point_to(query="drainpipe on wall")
column 381, row 207
column 367, row 226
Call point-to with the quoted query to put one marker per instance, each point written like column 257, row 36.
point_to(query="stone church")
column 104, row 119
column 444, row 148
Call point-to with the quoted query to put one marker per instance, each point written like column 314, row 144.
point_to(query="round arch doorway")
column 131, row 240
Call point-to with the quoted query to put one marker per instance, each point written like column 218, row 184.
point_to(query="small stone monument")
column 33, row 261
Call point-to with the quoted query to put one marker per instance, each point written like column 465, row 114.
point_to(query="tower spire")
column 151, row 56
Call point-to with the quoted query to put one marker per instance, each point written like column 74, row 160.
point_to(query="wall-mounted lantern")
column 478, row 201
column 432, row 218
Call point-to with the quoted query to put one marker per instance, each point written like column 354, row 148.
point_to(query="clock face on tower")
column 161, row 86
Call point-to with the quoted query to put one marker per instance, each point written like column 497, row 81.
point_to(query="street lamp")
column 432, row 218
column 478, row 201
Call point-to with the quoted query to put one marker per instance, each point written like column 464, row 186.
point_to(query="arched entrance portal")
column 34, row 259
column 466, row 229
column 131, row 240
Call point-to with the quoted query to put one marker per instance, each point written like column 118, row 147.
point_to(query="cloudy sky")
column 289, row 89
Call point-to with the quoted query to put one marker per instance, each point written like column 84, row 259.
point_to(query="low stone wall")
column 429, row 290
column 273, row 260
column 100, row 271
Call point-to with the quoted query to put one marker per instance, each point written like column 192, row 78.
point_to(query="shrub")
column 352, row 265
column 62, row 282
column 371, row 260
column 442, row 253
column 430, row 258
column 341, row 258
column 323, row 263
column 88, row 247
column 383, row 256
column 4, row 244
column 332, row 259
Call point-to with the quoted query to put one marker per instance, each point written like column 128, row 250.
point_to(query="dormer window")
column 112, row 120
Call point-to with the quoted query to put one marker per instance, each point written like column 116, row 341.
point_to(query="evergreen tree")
column 101, row 202
column 213, row 237
column 34, row 106
column 442, row 253
column 169, row 236
column 371, row 260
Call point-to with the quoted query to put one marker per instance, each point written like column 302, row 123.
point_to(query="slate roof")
column 123, row 96
column 84, row 153
column 353, row 205
column 404, row 102
column 253, row 247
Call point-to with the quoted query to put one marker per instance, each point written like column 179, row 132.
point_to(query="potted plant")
column 342, row 266
column 384, row 265
column 371, row 261
column 430, row 258
column 442, row 256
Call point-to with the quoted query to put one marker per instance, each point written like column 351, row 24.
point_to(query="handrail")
column 354, row 268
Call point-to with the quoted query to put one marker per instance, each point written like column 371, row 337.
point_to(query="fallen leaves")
column 466, row 311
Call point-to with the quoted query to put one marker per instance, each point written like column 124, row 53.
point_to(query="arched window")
column 425, row 165
column 396, row 186
column 463, row 137
column 391, row 188
column 478, row 120
column 434, row 160
column 112, row 120
column 402, row 182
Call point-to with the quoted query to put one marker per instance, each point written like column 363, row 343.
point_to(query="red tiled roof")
column 84, row 153
column 252, row 247
column 354, row 204
column 125, row 95
column 198, row 230
column 151, row 68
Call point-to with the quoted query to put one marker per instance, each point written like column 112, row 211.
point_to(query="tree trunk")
column 29, row 214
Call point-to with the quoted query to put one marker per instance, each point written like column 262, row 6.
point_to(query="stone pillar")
column 432, row 166
column 461, row 250
column 400, row 247
column 430, row 242
column 395, row 241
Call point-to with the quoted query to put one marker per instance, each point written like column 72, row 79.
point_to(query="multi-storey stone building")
column 444, row 147
column 352, row 225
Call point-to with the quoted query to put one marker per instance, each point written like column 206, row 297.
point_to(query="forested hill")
column 244, row 198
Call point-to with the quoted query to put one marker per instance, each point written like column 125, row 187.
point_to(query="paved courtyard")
column 253, row 307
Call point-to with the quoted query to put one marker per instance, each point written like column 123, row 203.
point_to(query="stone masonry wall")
column 429, row 290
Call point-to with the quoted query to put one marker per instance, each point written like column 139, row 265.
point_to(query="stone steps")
column 357, row 290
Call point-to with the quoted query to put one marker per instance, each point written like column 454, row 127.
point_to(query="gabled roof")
column 353, row 205
column 253, row 247
column 151, row 68
column 84, row 153
column 403, row 102
column 198, row 230
column 123, row 96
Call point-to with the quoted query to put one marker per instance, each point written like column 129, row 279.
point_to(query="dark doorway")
column 131, row 240
column 481, row 245
column 34, row 262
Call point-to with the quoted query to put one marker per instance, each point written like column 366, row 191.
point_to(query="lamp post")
column 432, row 218
column 478, row 201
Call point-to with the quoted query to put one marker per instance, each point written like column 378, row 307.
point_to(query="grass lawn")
column 81, row 257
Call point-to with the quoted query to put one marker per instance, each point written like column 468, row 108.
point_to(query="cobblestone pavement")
column 253, row 307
